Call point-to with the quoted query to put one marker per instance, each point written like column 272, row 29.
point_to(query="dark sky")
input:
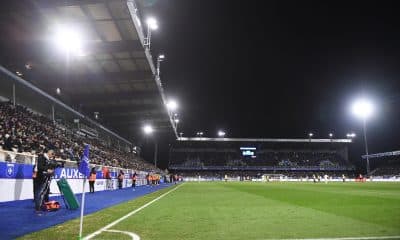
column 281, row 68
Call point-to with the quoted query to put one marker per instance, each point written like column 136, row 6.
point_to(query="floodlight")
column 176, row 120
column 310, row 134
column 362, row 108
column 221, row 133
column 148, row 129
column 68, row 39
column 152, row 23
column 58, row 91
column 172, row 105
column 330, row 135
column 161, row 57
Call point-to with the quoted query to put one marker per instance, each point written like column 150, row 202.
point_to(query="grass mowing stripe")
column 237, row 211
column 305, row 195
column 216, row 211
column 129, row 214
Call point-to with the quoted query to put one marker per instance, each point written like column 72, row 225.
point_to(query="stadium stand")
column 251, row 159
column 295, row 156
column 385, row 165
column 23, row 131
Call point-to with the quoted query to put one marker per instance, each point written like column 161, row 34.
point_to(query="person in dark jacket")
column 120, row 179
column 43, row 173
column 134, row 177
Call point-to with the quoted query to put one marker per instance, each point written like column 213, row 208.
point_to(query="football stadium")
column 192, row 119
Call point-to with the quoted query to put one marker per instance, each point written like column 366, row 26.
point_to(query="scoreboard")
column 248, row 152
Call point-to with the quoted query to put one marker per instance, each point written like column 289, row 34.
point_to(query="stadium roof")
column 114, row 75
column 204, row 139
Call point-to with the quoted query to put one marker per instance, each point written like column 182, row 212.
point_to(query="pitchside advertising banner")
column 24, row 171
column 16, row 181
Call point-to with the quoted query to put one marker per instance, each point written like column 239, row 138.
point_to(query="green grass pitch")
column 250, row 210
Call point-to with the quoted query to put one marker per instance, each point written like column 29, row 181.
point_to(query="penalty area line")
column 90, row 236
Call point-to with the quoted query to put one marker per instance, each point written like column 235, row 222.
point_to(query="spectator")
column 120, row 179
column 92, row 179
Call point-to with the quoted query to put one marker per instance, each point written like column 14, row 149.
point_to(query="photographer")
column 45, row 170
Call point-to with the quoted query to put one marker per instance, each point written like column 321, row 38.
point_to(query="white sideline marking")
column 129, row 214
column 133, row 235
column 345, row 238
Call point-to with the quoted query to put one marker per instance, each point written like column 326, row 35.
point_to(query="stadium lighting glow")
column 310, row 134
column 172, row 105
column 351, row 135
column 19, row 73
column 176, row 120
column 199, row 134
column 161, row 57
column 58, row 91
column 330, row 135
column 69, row 40
column 362, row 108
column 148, row 129
column 221, row 133
column 152, row 23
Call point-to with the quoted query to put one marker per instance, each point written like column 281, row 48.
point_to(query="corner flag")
column 84, row 163
column 84, row 169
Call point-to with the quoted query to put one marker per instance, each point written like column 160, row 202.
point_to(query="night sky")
column 281, row 68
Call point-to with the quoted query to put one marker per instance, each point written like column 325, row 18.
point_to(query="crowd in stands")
column 386, row 166
column 23, row 131
column 278, row 158
column 248, row 175
column 387, row 171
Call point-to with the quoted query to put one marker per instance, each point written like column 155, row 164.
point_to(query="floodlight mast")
column 363, row 108
column 151, row 25
column 366, row 144
column 160, row 58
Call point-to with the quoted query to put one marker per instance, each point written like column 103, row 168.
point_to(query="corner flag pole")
column 84, row 169
column 82, row 207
